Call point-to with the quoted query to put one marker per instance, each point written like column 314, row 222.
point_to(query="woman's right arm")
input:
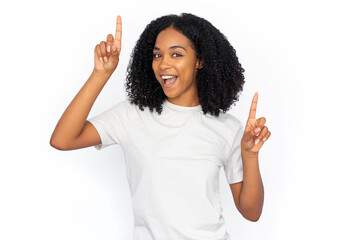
column 73, row 131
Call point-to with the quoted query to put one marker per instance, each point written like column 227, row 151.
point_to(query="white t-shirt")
column 172, row 165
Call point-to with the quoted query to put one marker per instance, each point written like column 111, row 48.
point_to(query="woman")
column 183, row 68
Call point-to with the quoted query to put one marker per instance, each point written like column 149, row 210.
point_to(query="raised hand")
column 255, row 133
column 107, row 53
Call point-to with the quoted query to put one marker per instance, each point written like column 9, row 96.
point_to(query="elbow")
column 59, row 145
column 252, row 215
column 253, row 218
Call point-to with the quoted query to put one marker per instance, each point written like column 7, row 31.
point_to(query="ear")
column 199, row 63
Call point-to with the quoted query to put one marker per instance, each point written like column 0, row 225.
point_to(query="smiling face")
column 174, row 65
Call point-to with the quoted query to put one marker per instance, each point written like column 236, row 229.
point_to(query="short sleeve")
column 111, row 124
column 233, row 166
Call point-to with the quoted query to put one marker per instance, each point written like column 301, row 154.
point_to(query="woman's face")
column 175, row 64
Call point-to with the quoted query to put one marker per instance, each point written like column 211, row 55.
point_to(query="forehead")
column 171, row 37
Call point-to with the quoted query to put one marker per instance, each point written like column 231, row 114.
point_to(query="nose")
column 165, row 63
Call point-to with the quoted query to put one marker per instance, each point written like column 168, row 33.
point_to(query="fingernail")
column 101, row 60
column 257, row 130
column 257, row 141
column 264, row 139
column 108, row 48
column 105, row 59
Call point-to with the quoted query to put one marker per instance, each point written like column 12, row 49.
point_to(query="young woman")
column 185, row 69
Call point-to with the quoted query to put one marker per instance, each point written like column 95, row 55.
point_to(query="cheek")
column 153, row 66
column 182, row 68
column 188, row 70
column 187, row 66
column 154, row 72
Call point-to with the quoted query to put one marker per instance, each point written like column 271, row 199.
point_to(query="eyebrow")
column 172, row 47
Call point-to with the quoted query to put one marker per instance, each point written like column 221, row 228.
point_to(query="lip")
column 163, row 80
column 169, row 86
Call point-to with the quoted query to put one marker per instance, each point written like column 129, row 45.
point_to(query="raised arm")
column 249, row 194
column 73, row 131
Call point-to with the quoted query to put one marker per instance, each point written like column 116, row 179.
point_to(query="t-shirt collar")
column 181, row 108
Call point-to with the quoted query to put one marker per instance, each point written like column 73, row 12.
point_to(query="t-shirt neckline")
column 181, row 108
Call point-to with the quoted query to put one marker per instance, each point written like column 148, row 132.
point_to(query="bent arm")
column 73, row 131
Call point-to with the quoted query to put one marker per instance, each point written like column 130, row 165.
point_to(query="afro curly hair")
column 219, row 81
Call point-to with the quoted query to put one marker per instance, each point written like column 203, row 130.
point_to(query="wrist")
column 101, row 74
column 249, row 154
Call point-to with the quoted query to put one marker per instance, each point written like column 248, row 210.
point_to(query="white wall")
column 301, row 56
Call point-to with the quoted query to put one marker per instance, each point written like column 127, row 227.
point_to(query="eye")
column 177, row 55
column 156, row 55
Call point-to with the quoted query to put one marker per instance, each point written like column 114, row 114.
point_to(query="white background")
column 302, row 57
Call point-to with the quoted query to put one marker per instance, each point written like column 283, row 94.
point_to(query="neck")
column 193, row 102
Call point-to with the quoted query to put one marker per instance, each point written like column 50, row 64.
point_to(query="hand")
column 255, row 133
column 107, row 53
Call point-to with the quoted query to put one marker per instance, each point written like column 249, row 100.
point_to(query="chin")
column 168, row 95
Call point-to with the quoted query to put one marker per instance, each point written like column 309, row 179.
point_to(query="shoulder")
column 231, row 120
column 124, row 105
column 225, row 125
column 226, row 120
column 120, row 111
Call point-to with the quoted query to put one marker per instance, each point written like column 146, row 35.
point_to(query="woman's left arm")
column 251, row 190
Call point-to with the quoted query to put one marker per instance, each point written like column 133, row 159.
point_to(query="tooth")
column 167, row 77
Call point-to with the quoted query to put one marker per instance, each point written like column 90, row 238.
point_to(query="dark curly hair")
column 219, row 80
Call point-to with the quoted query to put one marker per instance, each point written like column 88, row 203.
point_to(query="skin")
column 249, row 194
column 73, row 131
column 174, row 55
column 181, row 61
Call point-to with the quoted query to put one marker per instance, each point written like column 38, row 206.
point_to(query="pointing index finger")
column 253, row 107
column 118, row 33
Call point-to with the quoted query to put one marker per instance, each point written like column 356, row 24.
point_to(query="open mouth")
column 169, row 80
